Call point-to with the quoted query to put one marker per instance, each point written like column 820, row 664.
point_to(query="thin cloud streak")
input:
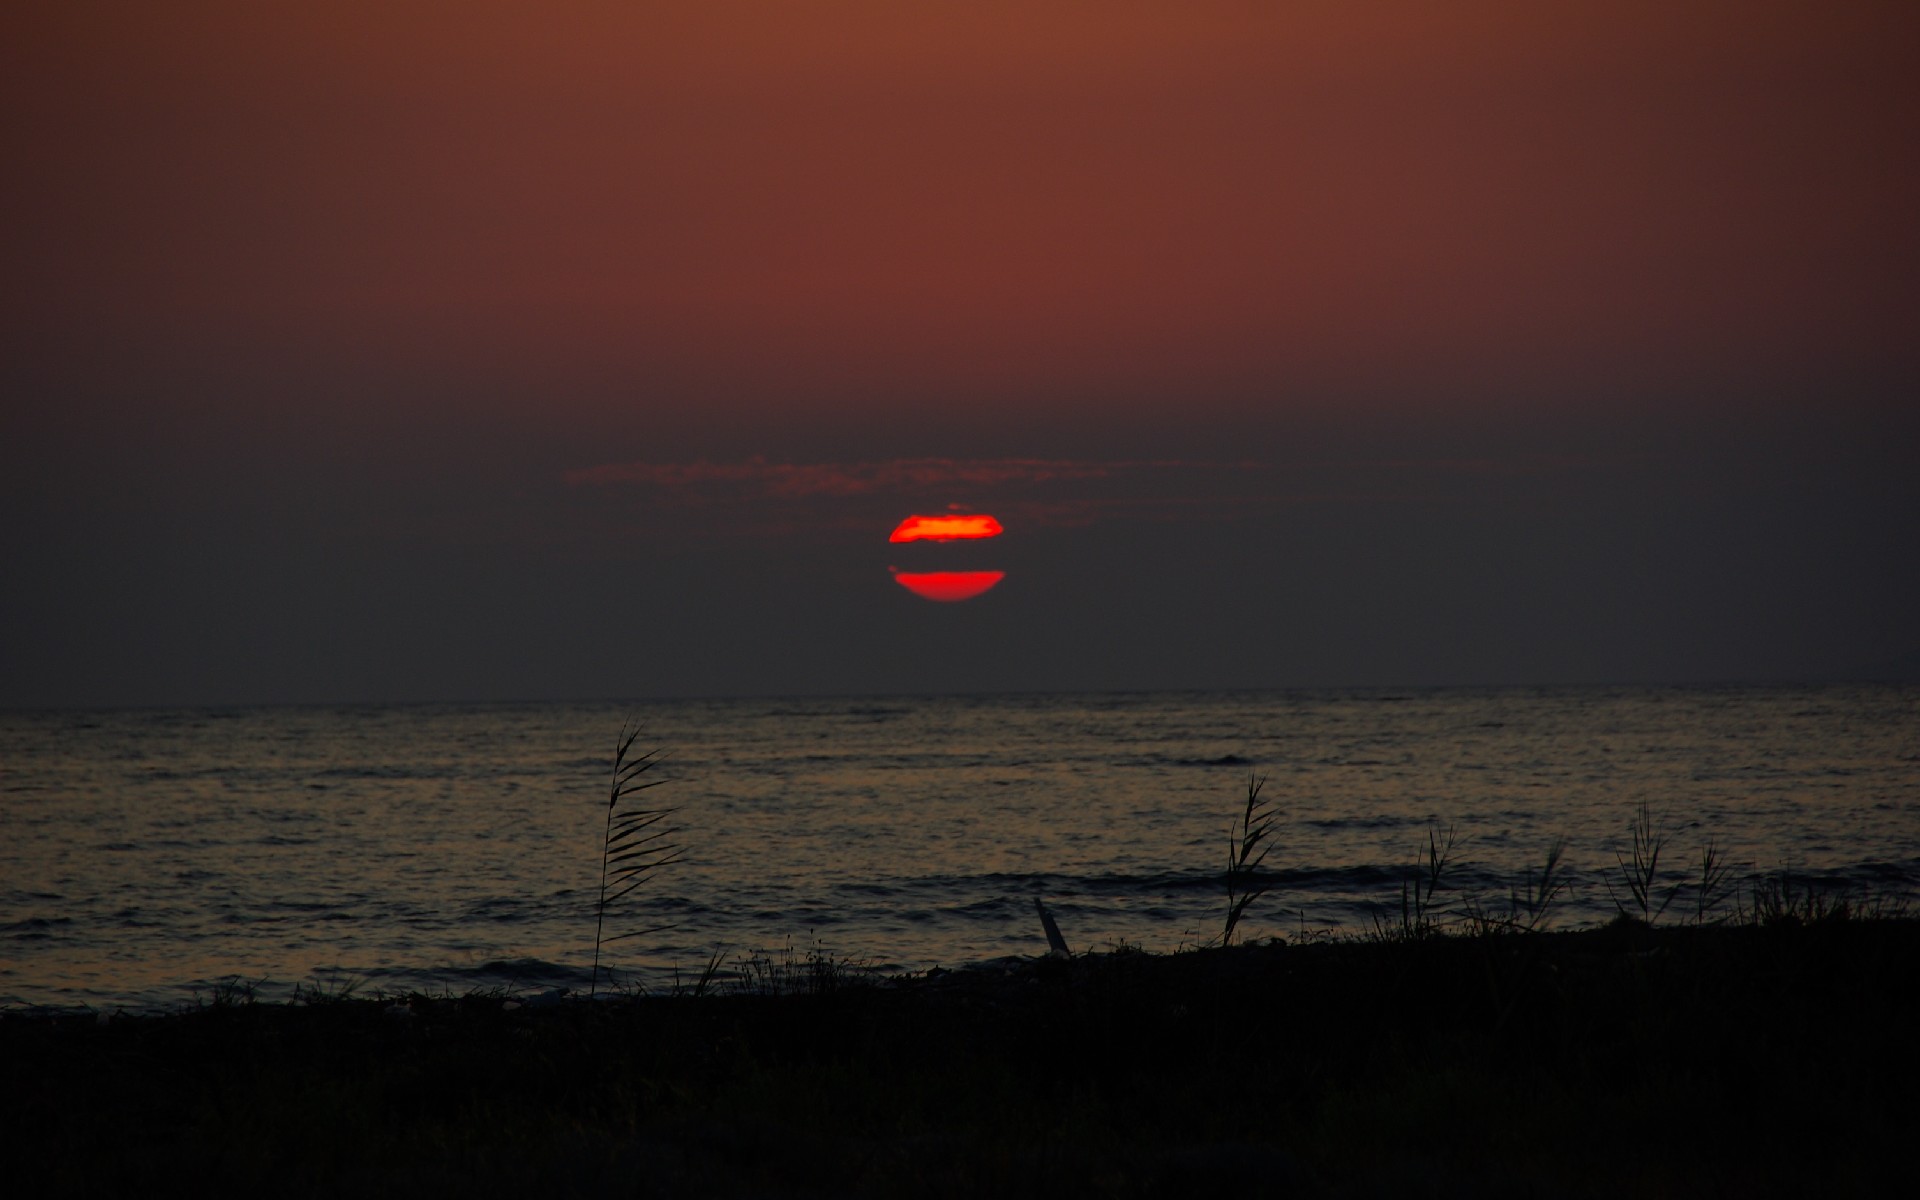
column 758, row 477
column 759, row 497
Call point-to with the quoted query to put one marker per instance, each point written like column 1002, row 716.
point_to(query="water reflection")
column 144, row 853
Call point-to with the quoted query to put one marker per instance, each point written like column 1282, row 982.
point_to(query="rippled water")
column 145, row 855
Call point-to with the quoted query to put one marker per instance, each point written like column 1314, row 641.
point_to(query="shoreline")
column 1724, row 1060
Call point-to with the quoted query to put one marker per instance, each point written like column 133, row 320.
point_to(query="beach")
column 1761, row 1058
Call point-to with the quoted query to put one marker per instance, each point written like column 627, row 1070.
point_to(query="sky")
column 492, row 351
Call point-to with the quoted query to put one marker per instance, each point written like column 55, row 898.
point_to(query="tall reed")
column 1639, row 874
column 1420, row 913
column 1528, row 898
column 1246, row 849
column 633, row 845
column 1716, row 882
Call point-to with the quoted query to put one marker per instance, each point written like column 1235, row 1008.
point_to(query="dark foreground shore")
column 1626, row 1061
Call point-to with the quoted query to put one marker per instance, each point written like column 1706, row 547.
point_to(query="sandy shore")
column 1622, row 1061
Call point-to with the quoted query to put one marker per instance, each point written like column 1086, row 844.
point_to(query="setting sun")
column 946, row 528
column 948, row 585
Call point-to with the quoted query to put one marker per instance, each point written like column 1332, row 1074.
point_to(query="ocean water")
column 146, row 856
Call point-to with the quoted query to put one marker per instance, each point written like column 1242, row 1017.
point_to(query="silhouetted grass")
column 1782, row 898
column 1530, row 898
column 1639, row 870
column 1247, row 848
column 1421, row 914
column 634, row 845
column 1725, row 1060
column 785, row 972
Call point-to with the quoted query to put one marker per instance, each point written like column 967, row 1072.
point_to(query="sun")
column 947, row 586
column 951, row 527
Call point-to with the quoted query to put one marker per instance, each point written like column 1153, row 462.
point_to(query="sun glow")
column 948, row 585
column 945, row 528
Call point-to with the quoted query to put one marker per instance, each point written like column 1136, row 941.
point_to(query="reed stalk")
column 1639, row 874
column 1420, row 913
column 1715, row 882
column 633, row 845
column 1528, row 898
column 1246, row 849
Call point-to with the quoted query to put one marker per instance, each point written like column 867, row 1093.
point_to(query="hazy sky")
column 486, row 350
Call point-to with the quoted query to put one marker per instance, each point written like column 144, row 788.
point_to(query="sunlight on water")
column 148, row 854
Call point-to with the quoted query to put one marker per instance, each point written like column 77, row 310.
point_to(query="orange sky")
column 1389, row 341
column 739, row 198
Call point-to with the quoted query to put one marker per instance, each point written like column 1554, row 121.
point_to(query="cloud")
column 758, row 477
column 760, row 496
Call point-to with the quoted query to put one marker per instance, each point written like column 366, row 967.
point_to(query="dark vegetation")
column 633, row 844
column 1765, row 1058
column 1248, row 844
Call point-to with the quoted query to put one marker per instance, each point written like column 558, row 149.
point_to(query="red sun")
column 948, row 585
column 946, row 528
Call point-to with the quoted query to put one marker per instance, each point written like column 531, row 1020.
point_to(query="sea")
column 155, row 859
